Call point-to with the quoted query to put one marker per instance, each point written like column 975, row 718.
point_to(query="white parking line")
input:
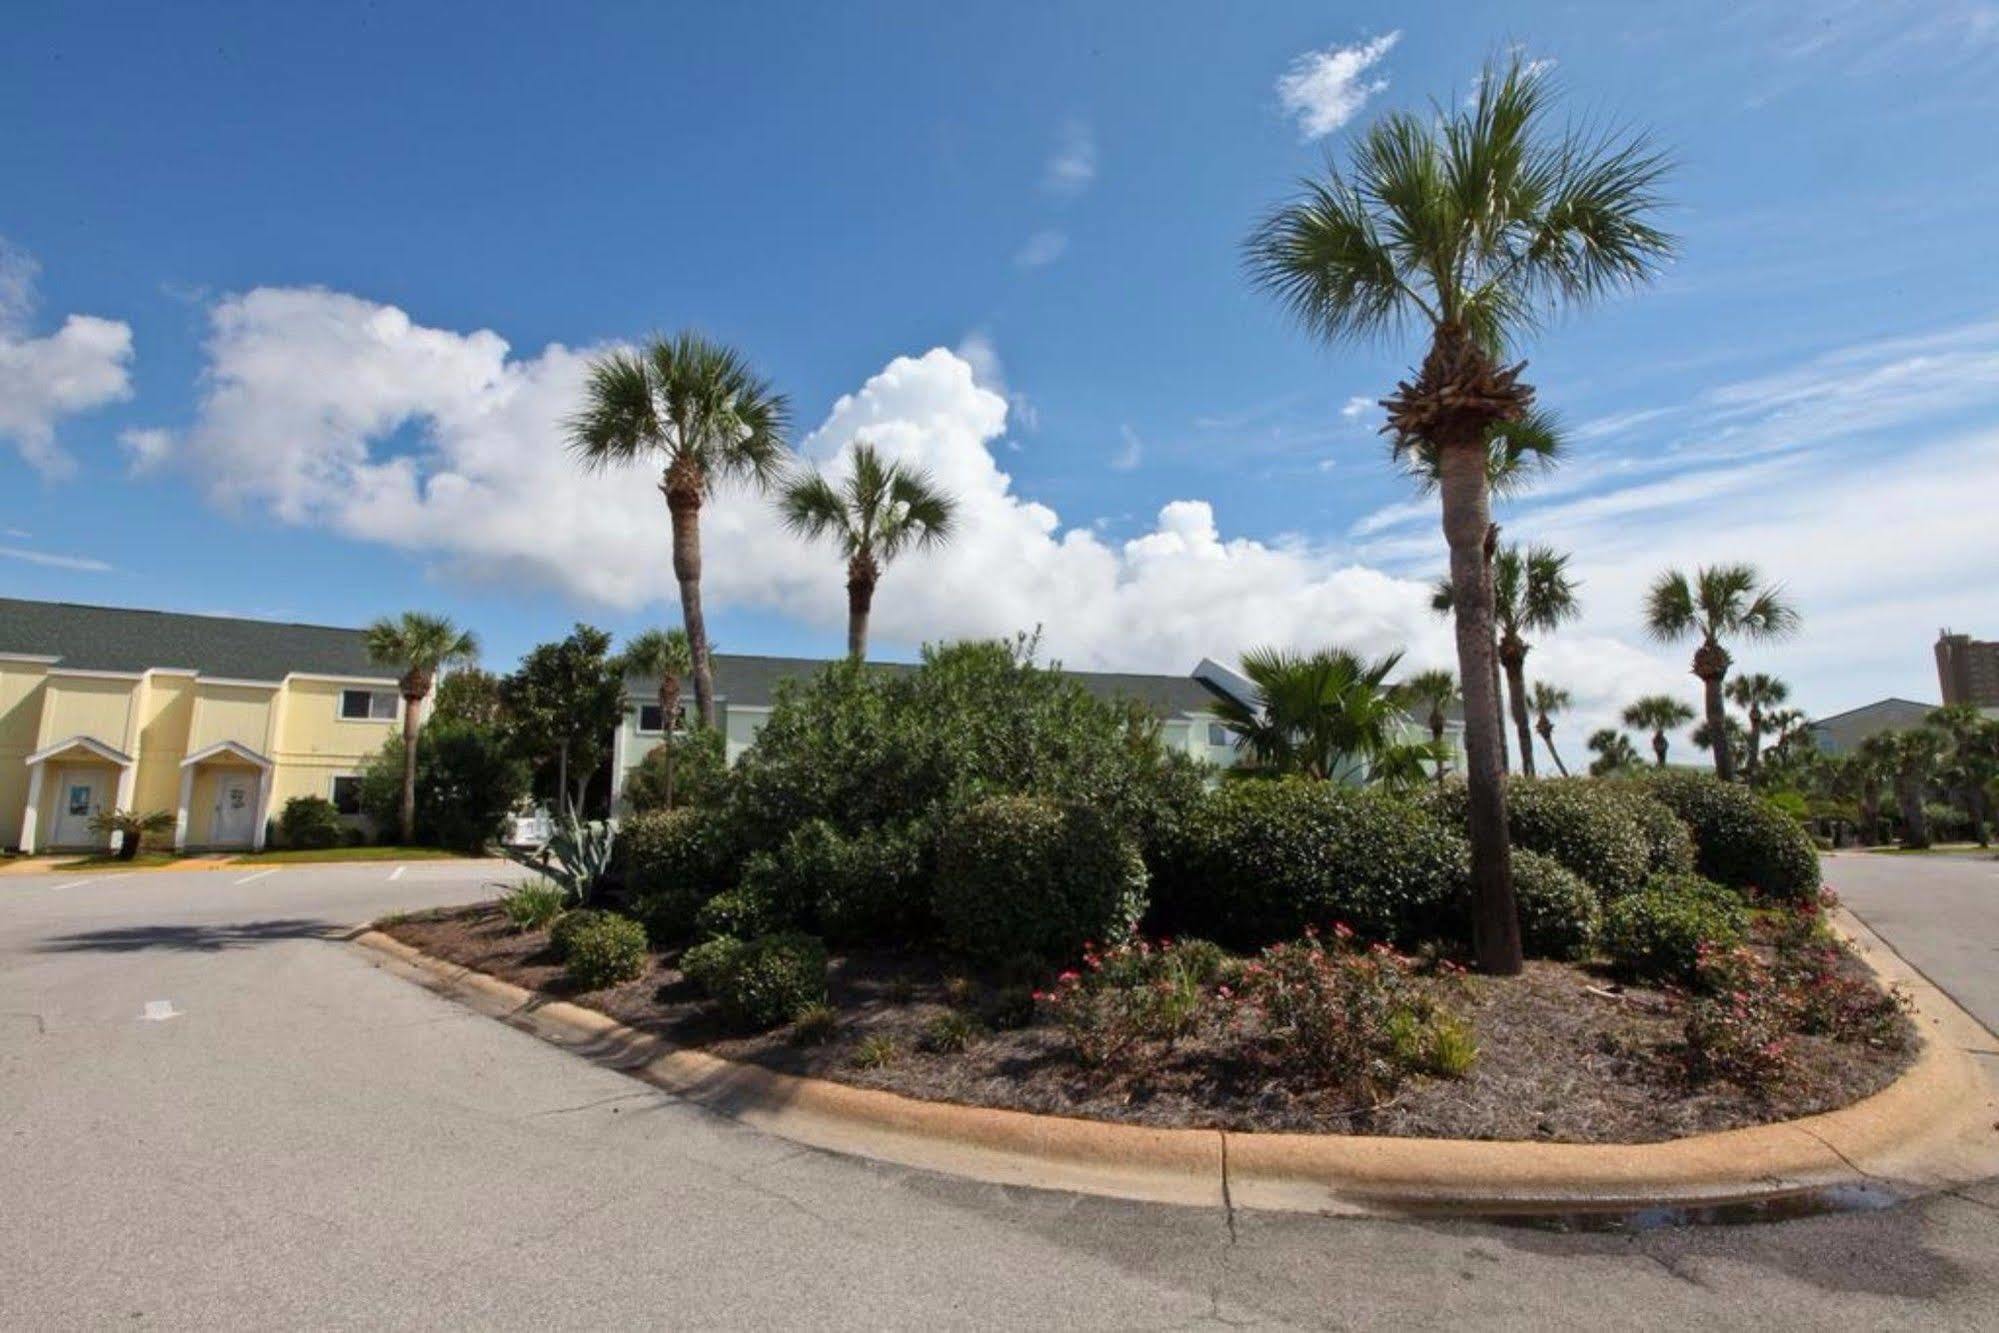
column 75, row 884
column 259, row 875
column 397, row 873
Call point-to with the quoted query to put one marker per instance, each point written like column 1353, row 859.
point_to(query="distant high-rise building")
column 1968, row 670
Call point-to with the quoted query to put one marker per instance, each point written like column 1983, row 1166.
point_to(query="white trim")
column 340, row 704
column 33, row 658
column 29, row 816
column 90, row 743
column 173, row 671
column 389, row 681
column 96, row 675
column 237, row 748
column 239, row 683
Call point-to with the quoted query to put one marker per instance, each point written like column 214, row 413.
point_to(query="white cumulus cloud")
column 82, row 365
column 1323, row 90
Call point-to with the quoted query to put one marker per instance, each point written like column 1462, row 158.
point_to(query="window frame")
column 1219, row 729
column 639, row 721
column 372, row 694
column 333, row 793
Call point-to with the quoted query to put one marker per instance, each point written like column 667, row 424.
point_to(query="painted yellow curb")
column 1931, row 1128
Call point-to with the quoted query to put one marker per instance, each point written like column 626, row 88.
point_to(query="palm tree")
column 1872, row 762
column 698, row 409
column 667, row 655
column 1917, row 751
column 1475, row 221
column 881, row 510
column 1718, row 602
column 1658, row 714
column 1972, row 764
column 1434, row 690
column 1757, row 694
column 1734, row 734
column 418, row 646
column 1320, row 716
column 1547, row 700
column 1614, row 752
column 1531, row 590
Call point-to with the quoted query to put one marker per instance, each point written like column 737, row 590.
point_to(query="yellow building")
column 219, row 721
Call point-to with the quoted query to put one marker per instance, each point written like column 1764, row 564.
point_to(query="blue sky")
column 261, row 261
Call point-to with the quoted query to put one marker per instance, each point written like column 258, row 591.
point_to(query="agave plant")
column 577, row 855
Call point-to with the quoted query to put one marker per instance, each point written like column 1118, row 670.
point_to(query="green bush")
column 1741, row 840
column 700, row 771
column 603, row 951
column 533, row 904
column 869, row 885
column 1256, row 862
column 1580, row 822
column 571, row 924
column 468, row 778
column 1657, row 933
column 310, row 821
column 688, row 850
column 763, row 983
column 1559, row 915
column 741, row 913
column 1026, row 875
column 1669, row 843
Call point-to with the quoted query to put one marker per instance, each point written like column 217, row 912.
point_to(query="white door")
column 80, row 793
column 235, row 810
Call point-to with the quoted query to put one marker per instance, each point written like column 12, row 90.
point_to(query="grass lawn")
column 295, row 856
column 108, row 861
column 1939, row 849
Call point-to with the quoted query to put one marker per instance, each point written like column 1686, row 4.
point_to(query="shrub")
column 569, row 925
column 951, row 1033
column 310, row 821
column 468, row 778
column 1658, row 933
column 1580, row 822
column 743, row 913
column 686, row 852
column 1559, row 915
column 815, row 1025
column 1258, row 861
column 868, row 885
column 1740, row 839
column 667, row 915
column 700, row 771
column 604, row 951
column 533, row 905
column 763, row 983
column 877, row 1052
column 1669, row 843
column 1738, row 1031
column 1026, row 875
column 1131, row 994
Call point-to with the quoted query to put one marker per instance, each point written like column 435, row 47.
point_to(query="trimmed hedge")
column 603, row 951
column 1669, row 843
column 671, row 862
column 1257, row 861
column 741, row 913
column 1025, row 876
column 869, row 885
column 1741, row 840
column 1579, row 822
column 1657, row 933
column 571, row 924
column 763, row 982
column 310, row 822
column 1559, row 915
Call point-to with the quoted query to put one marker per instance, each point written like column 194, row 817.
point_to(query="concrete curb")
column 1933, row 1127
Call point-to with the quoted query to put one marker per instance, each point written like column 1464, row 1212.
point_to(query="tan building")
column 219, row 721
column 1968, row 670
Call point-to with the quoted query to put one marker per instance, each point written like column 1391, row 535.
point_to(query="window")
column 368, row 705
column 347, row 795
column 650, row 716
column 1218, row 735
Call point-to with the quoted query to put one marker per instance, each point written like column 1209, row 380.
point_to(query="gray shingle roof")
column 109, row 638
column 751, row 682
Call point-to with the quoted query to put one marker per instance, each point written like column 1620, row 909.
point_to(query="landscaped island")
column 961, row 882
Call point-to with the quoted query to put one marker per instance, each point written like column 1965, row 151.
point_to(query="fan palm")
column 1614, row 752
column 1531, row 590
column 1719, row 602
column 1548, row 700
column 1872, row 762
column 1757, row 694
column 417, row 646
column 1323, row 715
column 666, row 655
column 1658, row 714
column 881, row 510
column 699, row 410
column 1972, row 764
column 1917, row 752
column 1434, row 691
column 1474, row 222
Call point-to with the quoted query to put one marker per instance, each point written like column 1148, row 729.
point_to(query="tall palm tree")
column 1917, row 753
column 1871, row 763
column 1734, row 734
column 1613, row 750
column 1475, row 221
column 1758, row 695
column 1434, row 691
column 1658, row 714
column 1972, row 764
column 418, row 646
column 1324, row 715
column 1719, row 602
column 881, row 510
column 1548, row 700
column 699, row 410
column 1531, row 591
column 667, row 655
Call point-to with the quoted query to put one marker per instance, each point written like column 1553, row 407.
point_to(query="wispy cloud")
column 1042, row 249
column 1133, row 452
column 1323, row 90
column 50, row 560
column 1072, row 168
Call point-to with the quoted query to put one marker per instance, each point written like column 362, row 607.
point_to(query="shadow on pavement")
column 193, row 938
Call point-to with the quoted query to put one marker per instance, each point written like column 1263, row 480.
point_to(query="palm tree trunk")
column 1915, row 822
column 411, row 704
column 1505, row 758
column 1467, row 522
column 669, row 702
column 1437, row 740
column 861, row 578
column 1711, row 665
column 1659, row 744
column 1755, row 744
column 1516, row 694
column 1548, row 739
column 683, row 487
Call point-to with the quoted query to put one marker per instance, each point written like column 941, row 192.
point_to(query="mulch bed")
column 1558, row 1060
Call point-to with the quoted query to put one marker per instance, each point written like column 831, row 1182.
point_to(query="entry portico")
column 69, row 783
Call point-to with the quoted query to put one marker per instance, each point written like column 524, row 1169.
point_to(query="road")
column 1940, row 912
column 310, row 1141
